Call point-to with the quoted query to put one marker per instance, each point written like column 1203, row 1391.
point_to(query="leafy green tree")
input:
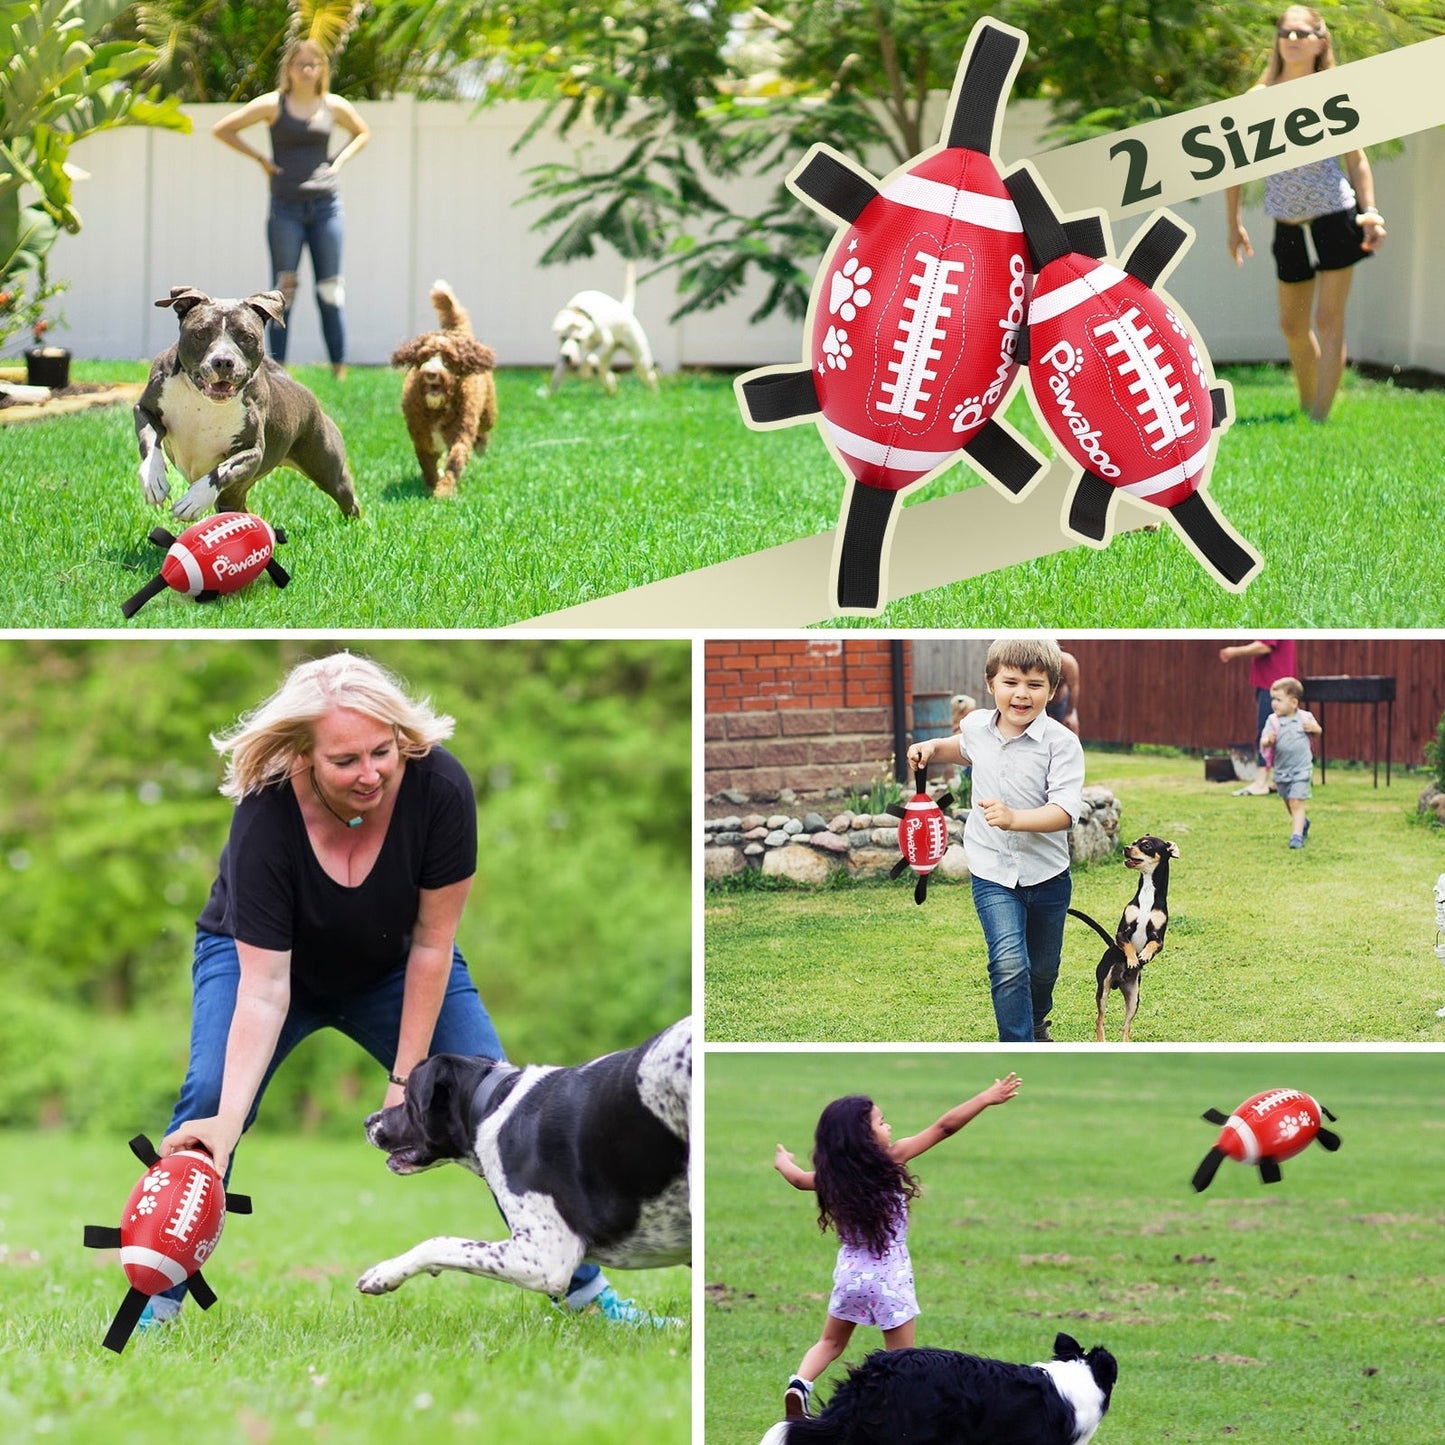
column 704, row 92
column 215, row 50
column 56, row 88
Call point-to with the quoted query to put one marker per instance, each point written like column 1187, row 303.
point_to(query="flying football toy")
column 169, row 1228
column 1121, row 381
column 922, row 833
column 914, row 320
column 1264, row 1131
column 218, row 555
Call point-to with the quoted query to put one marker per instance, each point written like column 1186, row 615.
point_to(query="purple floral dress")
column 876, row 1289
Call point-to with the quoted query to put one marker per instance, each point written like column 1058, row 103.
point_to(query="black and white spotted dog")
column 586, row 1164
column 941, row 1397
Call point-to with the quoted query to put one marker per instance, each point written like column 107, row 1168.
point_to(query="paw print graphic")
column 1195, row 365
column 146, row 1204
column 836, row 350
column 849, row 293
column 155, row 1182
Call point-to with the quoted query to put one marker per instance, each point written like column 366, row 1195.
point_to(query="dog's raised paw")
column 155, row 482
column 196, row 502
column 380, row 1279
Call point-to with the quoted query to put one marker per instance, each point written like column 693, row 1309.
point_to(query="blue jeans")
column 372, row 1019
column 1024, row 930
column 1263, row 711
column 314, row 223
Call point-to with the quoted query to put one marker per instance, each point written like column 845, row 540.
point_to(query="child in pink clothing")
column 863, row 1190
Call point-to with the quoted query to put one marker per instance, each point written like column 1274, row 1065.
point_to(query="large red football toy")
column 922, row 833
column 1122, row 383
column 1266, row 1130
column 218, row 555
column 914, row 319
column 169, row 1228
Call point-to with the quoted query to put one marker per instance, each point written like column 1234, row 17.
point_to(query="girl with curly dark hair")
column 863, row 1186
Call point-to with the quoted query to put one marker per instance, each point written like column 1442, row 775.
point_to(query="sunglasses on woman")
column 1285, row 34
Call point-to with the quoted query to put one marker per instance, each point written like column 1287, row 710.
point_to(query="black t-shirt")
column 271, row 891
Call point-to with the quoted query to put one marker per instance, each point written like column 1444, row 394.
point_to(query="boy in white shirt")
column 1028, row 779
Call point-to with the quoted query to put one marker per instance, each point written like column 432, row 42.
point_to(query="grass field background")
column 582, row 496
column 291, row 1351
column 1307, row 1310
column 1333, row 942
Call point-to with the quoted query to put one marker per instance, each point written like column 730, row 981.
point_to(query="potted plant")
column 22, row 310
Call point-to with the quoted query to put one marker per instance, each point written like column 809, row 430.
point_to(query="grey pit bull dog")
column 225, row 414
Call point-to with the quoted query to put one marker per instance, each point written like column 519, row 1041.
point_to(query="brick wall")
column 800, row 714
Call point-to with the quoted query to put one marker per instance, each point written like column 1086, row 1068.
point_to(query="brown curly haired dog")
column 449, row 397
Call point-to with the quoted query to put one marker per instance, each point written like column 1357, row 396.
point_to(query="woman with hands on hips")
column 305, row 210
column 336, row 903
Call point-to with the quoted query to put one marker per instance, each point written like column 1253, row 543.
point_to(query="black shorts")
column 1339, row 243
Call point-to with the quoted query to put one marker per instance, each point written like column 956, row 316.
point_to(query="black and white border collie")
column 941, row 1397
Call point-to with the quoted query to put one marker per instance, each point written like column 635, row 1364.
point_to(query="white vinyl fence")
column 435, row 195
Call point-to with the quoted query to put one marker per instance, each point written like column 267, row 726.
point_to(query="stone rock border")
column 809, row 849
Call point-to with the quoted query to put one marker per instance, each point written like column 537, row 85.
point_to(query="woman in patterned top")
column 1338, row 208
column 863, row 1191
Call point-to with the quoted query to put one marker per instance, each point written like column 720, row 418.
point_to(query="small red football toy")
column 169, row 1228
column 914, row 319
column 218, row 555
column 1123, row 383
column 1266, row 1130
column 922, row 833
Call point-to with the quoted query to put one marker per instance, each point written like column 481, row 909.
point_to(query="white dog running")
column 592, row 328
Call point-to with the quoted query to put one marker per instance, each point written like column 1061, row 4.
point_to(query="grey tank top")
column 299, row 148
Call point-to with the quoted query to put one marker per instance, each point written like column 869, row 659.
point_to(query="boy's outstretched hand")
column 1001, row 1090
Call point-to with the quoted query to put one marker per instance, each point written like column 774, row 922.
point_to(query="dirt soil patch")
column 81, row 396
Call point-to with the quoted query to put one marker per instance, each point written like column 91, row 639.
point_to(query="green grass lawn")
column 1307, row 1310
column 581, row 496
column 291, row 1351
column 1266, row 945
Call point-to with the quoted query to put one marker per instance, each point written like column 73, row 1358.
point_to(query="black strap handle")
column 1205, row 530
column 971, row 125
column 153, row 588
column 860, row 564
column 839, row 189
column 1043, row 230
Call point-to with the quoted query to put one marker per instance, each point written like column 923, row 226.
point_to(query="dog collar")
column 482, row 1098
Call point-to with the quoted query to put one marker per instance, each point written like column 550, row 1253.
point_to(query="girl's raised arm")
column 999, row 1092
column 785, row 1164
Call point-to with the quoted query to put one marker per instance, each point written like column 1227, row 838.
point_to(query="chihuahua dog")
column 1140, row 934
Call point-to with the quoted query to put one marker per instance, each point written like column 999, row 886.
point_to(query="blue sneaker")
column 158, row 1313
column 1305, row 835
column 621, row 1311
column 1296, row 840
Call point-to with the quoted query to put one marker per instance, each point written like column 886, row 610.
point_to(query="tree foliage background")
column 578, row 929
column 706, row 91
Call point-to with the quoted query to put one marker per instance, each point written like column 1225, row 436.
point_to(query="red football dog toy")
column 1266, row 1130
column 169, row 1228
column 915, row 318
column 218, row 555
column 1122, row 383
column 922, row 833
